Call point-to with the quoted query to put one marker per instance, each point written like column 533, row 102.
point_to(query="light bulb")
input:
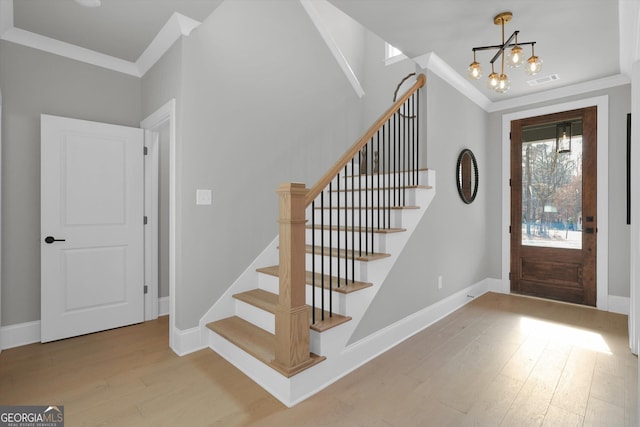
column 474, row 71
column 504, row 84
column 492, row 81
column 515, row 57
column 534, row 65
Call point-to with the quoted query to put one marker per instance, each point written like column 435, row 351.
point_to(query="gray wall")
column 619, row 231
column 451, row 240
column 264, row 102
column 34, row 83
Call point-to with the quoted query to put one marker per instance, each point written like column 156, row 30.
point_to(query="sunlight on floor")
column 566, row 334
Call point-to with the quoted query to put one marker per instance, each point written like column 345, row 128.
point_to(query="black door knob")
column 51, row 239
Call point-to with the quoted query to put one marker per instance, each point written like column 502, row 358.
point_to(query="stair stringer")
column 341, row 358
column 333, row 343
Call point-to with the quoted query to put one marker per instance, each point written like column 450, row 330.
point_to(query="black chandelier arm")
column 498, row 46
column 503, row 46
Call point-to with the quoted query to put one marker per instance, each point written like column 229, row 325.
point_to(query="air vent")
column 544, row 79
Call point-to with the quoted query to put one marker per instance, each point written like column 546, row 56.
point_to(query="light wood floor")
column 500, row 360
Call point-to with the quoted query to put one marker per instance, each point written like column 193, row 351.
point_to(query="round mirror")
column 467, row 176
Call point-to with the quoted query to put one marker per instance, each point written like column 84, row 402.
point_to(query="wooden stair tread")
column 260, row 298
column 389, row 172
column 268, row 302
column 255, row 341
column 370, row 207
column 345, row 287
column 342, row 253
column 408, row 187
column 374, row 230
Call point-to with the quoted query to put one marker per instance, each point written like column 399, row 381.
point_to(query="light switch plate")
column 203, row 197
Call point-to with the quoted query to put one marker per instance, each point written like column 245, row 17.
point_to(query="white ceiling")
column 580, row 40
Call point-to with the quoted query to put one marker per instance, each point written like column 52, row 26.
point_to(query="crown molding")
column 176, row 26
column 434, row 63
column 561, row 92
column 431, row 61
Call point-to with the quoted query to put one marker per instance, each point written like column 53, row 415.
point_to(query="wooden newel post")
column 292, row 313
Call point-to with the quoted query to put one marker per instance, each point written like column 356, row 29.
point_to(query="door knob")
column 51, row 239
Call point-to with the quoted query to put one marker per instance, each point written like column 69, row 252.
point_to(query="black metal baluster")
column 366, row 199
column 353, row 220
column 338, row 229
column 370, row 190
column 331, row 247
column 313, row 262
column 418, row 137
column 396, row 155
column 346, row 234
column 404, row 157
column 360, row 205
column 378, row 203
column 322, row 251
column 388, row 161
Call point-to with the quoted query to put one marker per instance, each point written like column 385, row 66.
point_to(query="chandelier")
column 515, row 58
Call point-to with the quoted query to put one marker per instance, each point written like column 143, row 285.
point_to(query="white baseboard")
column 20, row 334
column 187, row 341
column 163, row 306
column 619, row 305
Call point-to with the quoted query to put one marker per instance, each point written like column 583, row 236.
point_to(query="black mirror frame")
column 475, row 172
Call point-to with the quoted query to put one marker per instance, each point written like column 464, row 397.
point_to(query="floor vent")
column 544, row 79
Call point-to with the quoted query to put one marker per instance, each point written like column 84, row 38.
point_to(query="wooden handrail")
column 346, row 157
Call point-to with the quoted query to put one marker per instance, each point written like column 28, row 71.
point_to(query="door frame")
column 602, row 251
column 163, row 115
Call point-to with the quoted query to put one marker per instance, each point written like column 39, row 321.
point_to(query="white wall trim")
column 562, row 92
column 20, row 334
column 187, row 341
column 167, row 113
column 629, row 19
column 434, row 63
column 634, row 255
column 619, row 305
column 602, row 103
column 163, row 306
column 332, row 45
column 177, row 25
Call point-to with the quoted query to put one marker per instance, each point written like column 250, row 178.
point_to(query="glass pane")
column 552, row 186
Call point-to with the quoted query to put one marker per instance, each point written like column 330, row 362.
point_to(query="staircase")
column 286, row 322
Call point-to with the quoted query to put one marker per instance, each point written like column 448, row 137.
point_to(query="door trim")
column 602, row 251
column 167, row 114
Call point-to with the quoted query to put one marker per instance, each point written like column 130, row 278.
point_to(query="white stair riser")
column 260, row 318
column 352, row 268
column 386, row 180
column 271, row 283
column 347, row 240
column 365, row 218
column 268, row 283
column 368, row 197
column 339, row 305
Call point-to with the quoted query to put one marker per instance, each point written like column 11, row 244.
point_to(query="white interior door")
column 92, row 201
